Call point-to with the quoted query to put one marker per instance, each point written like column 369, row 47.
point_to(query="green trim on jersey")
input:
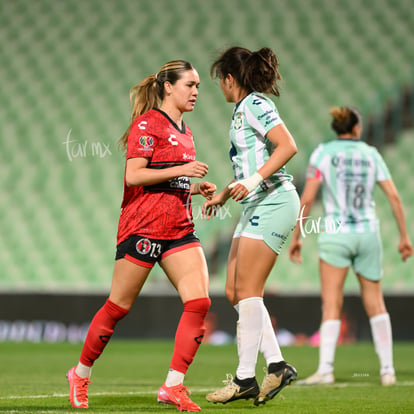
column 349, row 170
column 253, row 117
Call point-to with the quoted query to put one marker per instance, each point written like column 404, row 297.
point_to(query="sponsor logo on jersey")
column 181, row 183
column 338, row 161
column 173, row 140
column 265, row 114
column 270, row 121
column 142, row 124
column 188, row 157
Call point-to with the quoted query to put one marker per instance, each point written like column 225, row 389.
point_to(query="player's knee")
column 115, row 311
column 200, row 305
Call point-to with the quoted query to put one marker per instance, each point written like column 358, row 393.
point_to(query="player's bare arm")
column 404, row 247
column 138, row 174
column 285, row 150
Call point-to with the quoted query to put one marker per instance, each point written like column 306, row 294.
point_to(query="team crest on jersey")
column 238, row 120
column 143, row 246
column 146, row 141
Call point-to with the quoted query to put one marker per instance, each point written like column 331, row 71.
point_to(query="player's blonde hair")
column 149, row 93
column 344, row 119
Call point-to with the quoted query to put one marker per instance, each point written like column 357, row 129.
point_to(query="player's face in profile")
column 225, row 88
column 185, row 90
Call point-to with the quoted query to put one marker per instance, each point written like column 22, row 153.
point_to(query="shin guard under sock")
column 100, row 331
column 249, row 335
column 329, row 334
column 382, row 335
column 190, row 332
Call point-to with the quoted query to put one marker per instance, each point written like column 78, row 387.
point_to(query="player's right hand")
column 211, row 207
column 195, row 169
column 295, row 252
column 405, row 248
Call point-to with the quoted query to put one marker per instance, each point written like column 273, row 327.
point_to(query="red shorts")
column 146, row 252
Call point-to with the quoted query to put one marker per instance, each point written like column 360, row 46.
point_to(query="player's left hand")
column 240, row 189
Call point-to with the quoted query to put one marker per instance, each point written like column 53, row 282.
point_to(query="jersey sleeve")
column 262, row 114
column 141, row 141
column 382, row 171
column 313, row 170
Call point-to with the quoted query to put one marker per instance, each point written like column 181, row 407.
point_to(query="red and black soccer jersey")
column 163, row 210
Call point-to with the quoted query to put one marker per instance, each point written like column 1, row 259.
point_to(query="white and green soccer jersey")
column 349, row 170
column 253, row 118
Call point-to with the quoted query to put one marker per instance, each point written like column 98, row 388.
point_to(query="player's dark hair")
column 344, row 119
column 149, row 93
column 253, row 71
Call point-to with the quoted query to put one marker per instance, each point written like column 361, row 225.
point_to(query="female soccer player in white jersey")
column 348, row 170
column 261, row 145
column 156, row 226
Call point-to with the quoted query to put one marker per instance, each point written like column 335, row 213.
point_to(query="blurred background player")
column 156, row 226
column 348, row 170
column 261, row 145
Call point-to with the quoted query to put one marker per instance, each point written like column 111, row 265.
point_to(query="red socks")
column 100, row 331
column 190, row 332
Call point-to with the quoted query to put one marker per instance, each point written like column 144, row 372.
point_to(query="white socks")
column 174, row 378
column 254, row 332
column 382, row 336
column 269, row 346
column 329, row 334
column 83, row 371
column 249, row 334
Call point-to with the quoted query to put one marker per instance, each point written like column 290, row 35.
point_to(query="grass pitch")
column 127, row 376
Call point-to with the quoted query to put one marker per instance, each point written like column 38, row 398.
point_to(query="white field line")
column 196, row 389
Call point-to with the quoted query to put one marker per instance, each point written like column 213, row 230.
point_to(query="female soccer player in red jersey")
column 156, row 226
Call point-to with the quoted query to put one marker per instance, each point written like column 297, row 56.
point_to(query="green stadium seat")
column 67, row 68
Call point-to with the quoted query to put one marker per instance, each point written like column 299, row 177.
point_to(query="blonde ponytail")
column 142, row 97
